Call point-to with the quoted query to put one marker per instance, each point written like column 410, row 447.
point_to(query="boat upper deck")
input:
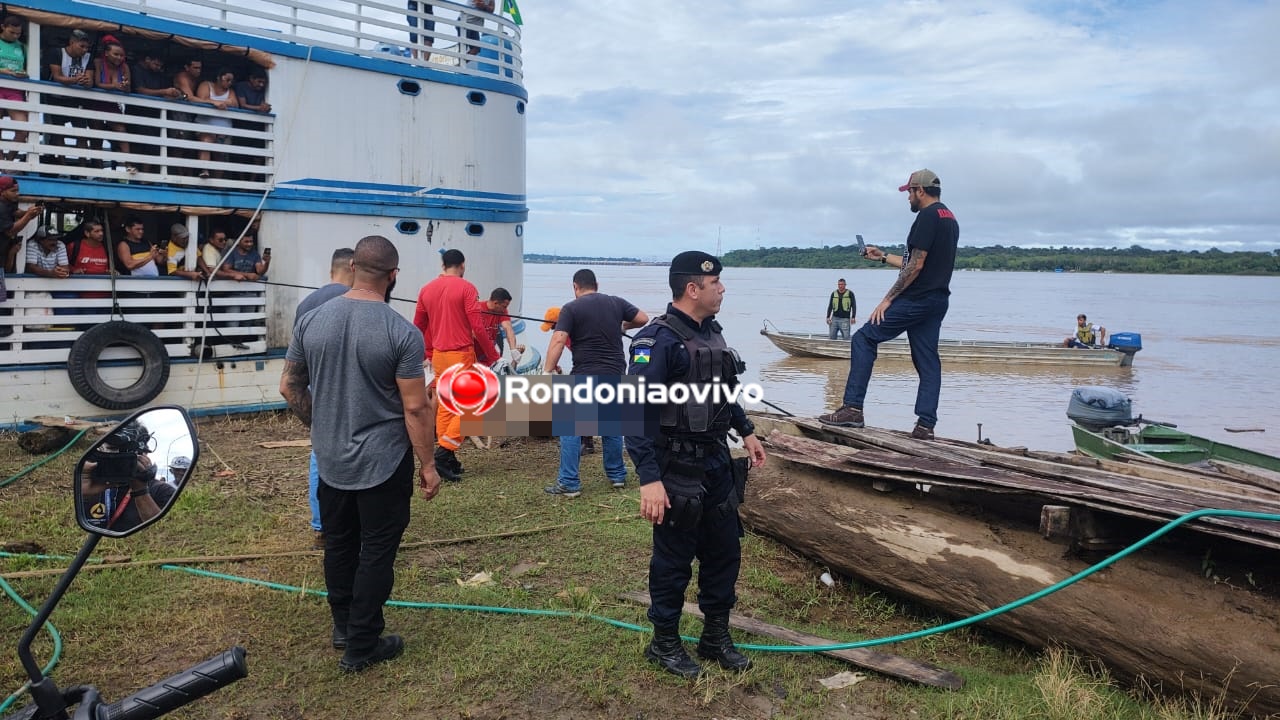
column 451, row 37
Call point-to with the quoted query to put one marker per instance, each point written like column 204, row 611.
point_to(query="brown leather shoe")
column 920, row 432
column 844, row 417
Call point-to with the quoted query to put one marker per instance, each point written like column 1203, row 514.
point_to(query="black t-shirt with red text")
column 936, row 232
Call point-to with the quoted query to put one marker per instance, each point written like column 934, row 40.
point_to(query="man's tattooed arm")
column 293, row 386
column 908, row 274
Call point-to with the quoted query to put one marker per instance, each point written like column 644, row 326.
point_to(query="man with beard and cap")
column 690, row 487
column 916, row 305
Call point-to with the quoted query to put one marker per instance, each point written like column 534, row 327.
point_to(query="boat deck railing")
column 48, row 314
column 363, row 27
column 70, row 135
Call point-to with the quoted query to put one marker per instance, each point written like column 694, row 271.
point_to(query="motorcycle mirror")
column 132, row 476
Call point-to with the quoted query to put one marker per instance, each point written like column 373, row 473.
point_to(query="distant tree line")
column 574, row 259
column 997, row 257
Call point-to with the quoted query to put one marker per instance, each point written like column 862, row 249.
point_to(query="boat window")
column 520, row 107
column 410, row 87
column 475, row 229
column 408, row 227
column 520, row 231
column 476, row 98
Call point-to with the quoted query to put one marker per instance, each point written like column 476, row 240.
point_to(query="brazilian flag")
column 509, row 7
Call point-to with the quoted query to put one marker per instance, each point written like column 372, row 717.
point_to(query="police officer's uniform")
column 691, row 458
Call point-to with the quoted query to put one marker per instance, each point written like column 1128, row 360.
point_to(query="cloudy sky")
column 658, row 126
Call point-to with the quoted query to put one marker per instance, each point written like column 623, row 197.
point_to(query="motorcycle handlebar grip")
column 178, row 690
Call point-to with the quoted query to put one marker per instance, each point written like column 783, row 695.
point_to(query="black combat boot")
column 444, row 465
column 667, row 650
column 715, row 644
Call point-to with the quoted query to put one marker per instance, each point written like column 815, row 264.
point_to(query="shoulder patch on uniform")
column 641, row 349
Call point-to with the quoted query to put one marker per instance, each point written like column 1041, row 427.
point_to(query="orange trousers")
column 448, row 425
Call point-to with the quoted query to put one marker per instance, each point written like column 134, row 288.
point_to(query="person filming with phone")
column 916, row 304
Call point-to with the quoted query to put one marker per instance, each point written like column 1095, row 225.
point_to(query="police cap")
column 695, row 262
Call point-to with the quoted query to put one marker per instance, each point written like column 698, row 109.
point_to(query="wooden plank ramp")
column 884, row 663
column 1140, row 490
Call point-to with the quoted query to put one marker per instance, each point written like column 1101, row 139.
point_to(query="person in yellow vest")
column 1087, row 336
column 842, row 308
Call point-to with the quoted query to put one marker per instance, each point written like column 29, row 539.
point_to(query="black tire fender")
column 86, row 351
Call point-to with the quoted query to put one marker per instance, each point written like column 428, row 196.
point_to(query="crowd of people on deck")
column 72, row 241
column 150, row 69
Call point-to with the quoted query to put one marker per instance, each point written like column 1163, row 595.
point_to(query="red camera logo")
column 462, row 389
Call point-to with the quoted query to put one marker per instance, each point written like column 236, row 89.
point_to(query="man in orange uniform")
column 454, row 332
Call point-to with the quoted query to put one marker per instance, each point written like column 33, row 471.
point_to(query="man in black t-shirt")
column 592, row 323
column 150, row 79
column 916, row 305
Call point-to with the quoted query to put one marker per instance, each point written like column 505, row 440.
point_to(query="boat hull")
column 244, row 384
column 813, row 345
column 1168, row 444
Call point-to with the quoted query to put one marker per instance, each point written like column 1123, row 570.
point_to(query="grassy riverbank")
column 128, row 626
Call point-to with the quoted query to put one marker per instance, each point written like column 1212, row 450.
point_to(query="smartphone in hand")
column 862, row 246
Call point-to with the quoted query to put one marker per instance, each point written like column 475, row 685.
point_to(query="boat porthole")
column 520, row 231
column 475, row 229
column 408, row 227
column 409, row 87
column 520, row 107
column 86, row 351
column 476, row 98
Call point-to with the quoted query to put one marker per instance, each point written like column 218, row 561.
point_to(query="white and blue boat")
column 375, row 127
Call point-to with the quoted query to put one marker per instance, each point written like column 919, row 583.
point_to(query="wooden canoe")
column 814, row 345
column 954, row 526
column 1166, row 443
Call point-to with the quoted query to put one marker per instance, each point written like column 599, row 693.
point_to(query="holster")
column 683, row 480
column 740, row 467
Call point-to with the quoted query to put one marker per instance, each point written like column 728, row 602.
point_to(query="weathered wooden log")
column 45, row 439
column 1151, row 615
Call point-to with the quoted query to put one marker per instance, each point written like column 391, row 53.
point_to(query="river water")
column 1211, row 346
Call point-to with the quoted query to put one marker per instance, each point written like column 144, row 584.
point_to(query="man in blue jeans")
column 592, row 323
column 916, row 305
column 340, row 279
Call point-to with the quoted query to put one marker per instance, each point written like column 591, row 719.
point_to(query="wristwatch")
column 884, row 259
column 139, row 493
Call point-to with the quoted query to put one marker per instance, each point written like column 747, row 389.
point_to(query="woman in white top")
column 218, row 93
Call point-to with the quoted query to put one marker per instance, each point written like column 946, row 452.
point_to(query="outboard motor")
column 1127, row 343
column 1097, row 408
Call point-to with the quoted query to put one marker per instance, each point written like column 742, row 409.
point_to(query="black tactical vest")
column 710, row 361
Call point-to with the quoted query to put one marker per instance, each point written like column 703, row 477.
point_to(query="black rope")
column 775, row 407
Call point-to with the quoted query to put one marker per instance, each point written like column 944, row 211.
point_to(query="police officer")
column 690, row 488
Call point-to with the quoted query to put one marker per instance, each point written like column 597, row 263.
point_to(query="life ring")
column 86, row 351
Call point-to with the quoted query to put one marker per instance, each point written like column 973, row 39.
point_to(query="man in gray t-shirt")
column 353, row 373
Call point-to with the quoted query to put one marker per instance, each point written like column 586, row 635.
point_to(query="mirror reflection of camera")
column 116, row 469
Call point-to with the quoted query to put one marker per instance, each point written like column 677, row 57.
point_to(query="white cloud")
column 655, row 126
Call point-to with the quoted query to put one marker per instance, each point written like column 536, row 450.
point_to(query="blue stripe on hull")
column 434, row 204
